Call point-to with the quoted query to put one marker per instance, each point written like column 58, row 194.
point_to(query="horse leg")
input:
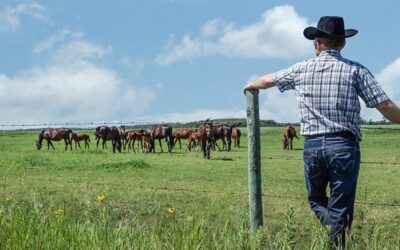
column 51, row 144
column 97, row 142
column 208, row 149
column 66, row 144
column 79, row 145
column 159, row 140
column 216, row 145
column 291, row 143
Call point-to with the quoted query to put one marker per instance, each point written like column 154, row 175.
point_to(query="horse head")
column 38, row 145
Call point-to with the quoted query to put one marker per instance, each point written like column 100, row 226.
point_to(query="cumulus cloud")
column 70, row 88
column 11, row 16
column 196, row 115
column 276, row 35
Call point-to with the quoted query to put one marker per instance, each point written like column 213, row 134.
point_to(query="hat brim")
column 311, row 33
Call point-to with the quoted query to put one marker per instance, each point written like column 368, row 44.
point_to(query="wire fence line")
column 74, row 124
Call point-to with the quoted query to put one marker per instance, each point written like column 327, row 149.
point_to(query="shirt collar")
column 330, row 52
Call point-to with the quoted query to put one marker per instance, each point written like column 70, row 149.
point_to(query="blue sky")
column 176, row 60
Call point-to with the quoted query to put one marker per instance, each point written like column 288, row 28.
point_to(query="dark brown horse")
column 236, row 136
column 80, row 137
column 159, row 132
column 206, row 133
column 54, row 134
column 106, row 133
column 223, row 133
column 181, row 133
column 288, row 133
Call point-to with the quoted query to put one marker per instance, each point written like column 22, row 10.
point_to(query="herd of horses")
column 205, row 137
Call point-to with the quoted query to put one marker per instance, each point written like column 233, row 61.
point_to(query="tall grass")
column 93, row 199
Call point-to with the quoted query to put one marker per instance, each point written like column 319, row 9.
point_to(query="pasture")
column 94, row 199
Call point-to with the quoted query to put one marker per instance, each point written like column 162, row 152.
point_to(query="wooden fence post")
column 254, row 161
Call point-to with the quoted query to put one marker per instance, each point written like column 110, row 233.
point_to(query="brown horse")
column 141, row 136
column 54, row 134
column 236, row 136
column 192, row 139
column 80, row 137
column 159, row 132
column 181, row 133
column 106, row 133
column 121, row 131
column 288, row 133
column 206, row 134
column 223, row 133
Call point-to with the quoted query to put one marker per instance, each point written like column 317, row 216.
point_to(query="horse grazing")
column 106, row 133
column 206, row 135
column 141, row 136
column 236, row 136
column 224, row 133
column 288, row 133
column 54, row 134
column 161, row 132
column 80, row 137
column 181, row 133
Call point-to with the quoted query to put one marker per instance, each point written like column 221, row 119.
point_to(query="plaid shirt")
column 327, row 88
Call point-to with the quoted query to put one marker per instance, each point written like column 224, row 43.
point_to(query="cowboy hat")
column 329, row 26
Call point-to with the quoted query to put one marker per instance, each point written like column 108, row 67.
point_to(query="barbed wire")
column 73, row 124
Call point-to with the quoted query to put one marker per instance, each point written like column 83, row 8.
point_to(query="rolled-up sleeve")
column 284, row 79
column 369, row 89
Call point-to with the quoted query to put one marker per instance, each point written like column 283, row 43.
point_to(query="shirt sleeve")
column 369, row 89
column 284, row 79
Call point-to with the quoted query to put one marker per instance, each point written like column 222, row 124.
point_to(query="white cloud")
column 11, row 16
column 135, row 66
column 58, row 38
column 72, row 87
column 278, row 34
column 196, row 115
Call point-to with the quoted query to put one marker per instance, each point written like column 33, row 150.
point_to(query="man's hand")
column 248, row 86
column 263, row 82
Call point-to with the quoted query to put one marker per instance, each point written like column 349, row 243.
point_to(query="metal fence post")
column 254, row 161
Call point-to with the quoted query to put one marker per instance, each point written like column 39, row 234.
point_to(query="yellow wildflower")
column 87, row 202
column 101, row 197
column 8, row 198
column 171, row 210
column 58, row 212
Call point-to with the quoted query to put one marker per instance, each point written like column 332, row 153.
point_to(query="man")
column 327, row 88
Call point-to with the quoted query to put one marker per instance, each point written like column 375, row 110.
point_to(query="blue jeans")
column 335, row 160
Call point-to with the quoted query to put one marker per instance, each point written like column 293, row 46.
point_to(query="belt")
column 344, row 134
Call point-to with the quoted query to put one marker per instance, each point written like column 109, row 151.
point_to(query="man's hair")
column 332, row 42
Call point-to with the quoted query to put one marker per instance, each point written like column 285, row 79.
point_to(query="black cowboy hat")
column 329, row 26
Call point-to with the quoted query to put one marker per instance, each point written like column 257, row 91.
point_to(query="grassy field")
column 94, row 199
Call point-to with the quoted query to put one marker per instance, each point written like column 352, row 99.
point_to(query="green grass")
column 48, row 199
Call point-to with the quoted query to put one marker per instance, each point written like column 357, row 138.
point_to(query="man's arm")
column 389, row 110
column 262, row 82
